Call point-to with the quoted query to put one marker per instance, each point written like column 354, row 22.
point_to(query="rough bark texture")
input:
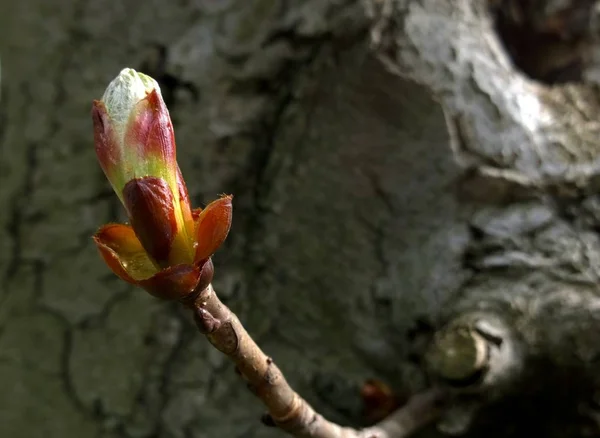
column 329, row 248
column 348, row 235
column 531, row 154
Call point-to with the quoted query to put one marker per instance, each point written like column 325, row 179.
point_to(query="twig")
column 288, row 410
column 420, row 410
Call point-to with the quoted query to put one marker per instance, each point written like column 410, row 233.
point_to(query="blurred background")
column 346, row 238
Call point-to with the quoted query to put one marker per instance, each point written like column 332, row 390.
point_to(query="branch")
column 478, row 358
column 476, row 349
column 287, row 409
column 420, row 410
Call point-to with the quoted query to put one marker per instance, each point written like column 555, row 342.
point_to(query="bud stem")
column 288, row 410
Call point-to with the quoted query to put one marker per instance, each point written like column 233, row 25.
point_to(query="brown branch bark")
column 288, row 410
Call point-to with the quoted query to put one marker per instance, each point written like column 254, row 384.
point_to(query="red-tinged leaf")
column 185, row 207
column 207, row 272
column 106, row 144
column 149, row 203
column 196, row 214
column 173, row 283
column 150, row 140
column 161, row 138
column 138, row 127
column 123, row 253
column 149, row 132
column 212, row 227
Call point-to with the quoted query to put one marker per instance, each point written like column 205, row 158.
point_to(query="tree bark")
column 369, row 212
column 527, row 137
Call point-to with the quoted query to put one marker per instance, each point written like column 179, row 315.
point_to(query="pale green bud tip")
column 126, row 90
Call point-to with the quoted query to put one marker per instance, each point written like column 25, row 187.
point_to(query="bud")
column 166, row 245
column 119, row 117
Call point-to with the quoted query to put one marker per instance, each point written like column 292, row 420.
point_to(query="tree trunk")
column 393, row 173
